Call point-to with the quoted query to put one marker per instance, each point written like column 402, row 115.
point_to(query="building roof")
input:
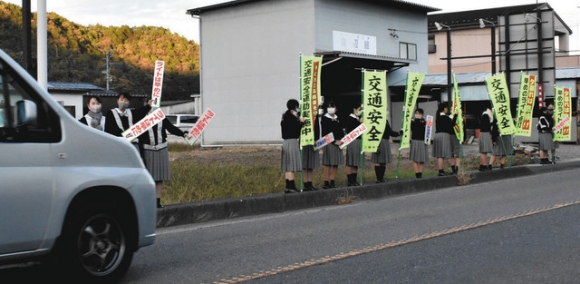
column 85, row 88
column 391, row 3
column 471, row 18
column 479, row 77
column 66, row 86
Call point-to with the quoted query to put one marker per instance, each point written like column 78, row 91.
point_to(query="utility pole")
column 108, row 77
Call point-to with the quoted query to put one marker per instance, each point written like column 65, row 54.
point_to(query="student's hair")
column 420, row 110
column 330, row 104
column 354, row 106
column 98, row 99
column 124, row 94
column 292, row 104
column 441, row 107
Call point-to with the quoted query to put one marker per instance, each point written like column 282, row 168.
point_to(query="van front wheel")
column 96, row 244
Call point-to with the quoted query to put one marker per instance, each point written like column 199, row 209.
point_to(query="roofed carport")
column 341, row 71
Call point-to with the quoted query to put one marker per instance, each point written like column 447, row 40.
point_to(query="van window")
column 24, row 115
column 189, row 119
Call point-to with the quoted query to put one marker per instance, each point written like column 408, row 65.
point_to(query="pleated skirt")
column 383, row 155
column 442, row 147
column 505, row 148
column 353, row 153
column 485, row 143
column 332, row 155
column 454, row 145
column 546, row 142
column 310, row 158
column 419, row 152
column 157, row 163
column 291, row 156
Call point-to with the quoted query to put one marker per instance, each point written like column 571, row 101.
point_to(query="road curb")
column 221, row 209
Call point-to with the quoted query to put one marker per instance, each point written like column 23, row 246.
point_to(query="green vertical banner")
column 375, row 108
column 526, row 101
column 500, row 99
column 412, row 89
column 309, row 95
column 456, row 109
column 562, row 114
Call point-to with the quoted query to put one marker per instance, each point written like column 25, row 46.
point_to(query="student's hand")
column 301, row 119
column 338, row 143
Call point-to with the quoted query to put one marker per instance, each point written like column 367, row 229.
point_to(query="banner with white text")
column 143, row 125
column 157, row 83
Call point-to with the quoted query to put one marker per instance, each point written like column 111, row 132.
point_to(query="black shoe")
column 159, row 205
column 482, row 168
column 441, row 174
column 501, row 166
column 326, row 186
column 489, row 167
column 291, row 190
column 380, row 181
column 354, row 184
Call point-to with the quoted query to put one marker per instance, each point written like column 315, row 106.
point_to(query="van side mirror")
column 26, row 112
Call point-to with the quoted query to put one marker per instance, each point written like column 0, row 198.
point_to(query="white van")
column 69, row 194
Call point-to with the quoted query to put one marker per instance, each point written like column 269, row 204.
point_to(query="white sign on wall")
column 343, row 41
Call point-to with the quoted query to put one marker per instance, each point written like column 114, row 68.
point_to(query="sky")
column 171, row 14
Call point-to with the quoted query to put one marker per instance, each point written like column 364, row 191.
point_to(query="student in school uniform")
column 556, row 144
column 442, row 144
column 418, row 152
column 502, row 145
column 156, row 155
column 94, row 117
column 545, row 135
column 290, row 126
column 485, row 142
column 353, row 150
column 332, row 154
column 311, row 157
column 122, row 118
column 383, row 155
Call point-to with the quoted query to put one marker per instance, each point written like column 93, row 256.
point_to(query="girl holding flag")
column 311, row 157
column 546, row 135
column 290, row 126
column 332, row 155
column 383, row 155
column 485, row 142
column 353, row 150
column 442, row 145
column 419, row 152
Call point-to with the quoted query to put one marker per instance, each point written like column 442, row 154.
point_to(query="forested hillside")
column 77, row 53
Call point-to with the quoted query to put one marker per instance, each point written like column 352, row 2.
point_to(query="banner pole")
column 300, row 109
column 362, row 157
column 402, row 126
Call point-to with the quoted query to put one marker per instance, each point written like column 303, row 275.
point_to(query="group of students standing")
column 294, row 160
column 152, row 145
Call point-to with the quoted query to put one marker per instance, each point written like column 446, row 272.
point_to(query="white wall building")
column 250, row 56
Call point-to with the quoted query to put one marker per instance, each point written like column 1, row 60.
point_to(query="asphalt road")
column 522, row 230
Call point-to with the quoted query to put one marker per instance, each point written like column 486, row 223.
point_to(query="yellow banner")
column 563, row 111
column 310, row 67
column 456, row 109
column 526, row 101
column 500, row 98
column 375, row 108
column 414, row 82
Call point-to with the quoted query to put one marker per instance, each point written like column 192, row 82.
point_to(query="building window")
column 408, row 51
column 431, row 42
